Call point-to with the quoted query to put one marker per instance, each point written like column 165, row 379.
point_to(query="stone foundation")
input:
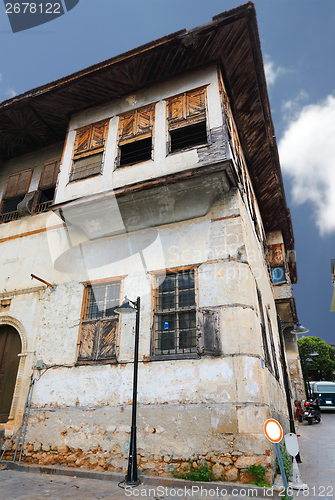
column 227, row 467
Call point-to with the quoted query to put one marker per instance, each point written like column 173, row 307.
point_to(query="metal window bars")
column 175, row 314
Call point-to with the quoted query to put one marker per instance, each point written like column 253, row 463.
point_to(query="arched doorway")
column 10, row 347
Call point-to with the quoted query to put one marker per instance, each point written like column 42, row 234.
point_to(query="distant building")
column 155, row 174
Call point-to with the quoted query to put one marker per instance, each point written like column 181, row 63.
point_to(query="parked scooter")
column 312, row 411
column 298, row 410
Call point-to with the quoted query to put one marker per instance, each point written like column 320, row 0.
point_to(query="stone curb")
column 234, row 489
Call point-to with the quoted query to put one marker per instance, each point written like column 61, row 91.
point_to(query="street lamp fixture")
column 131, row 478
column 298, row 328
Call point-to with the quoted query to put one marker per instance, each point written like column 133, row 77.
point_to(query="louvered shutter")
column 49, row 174
column 11, row 186
column 18, row 184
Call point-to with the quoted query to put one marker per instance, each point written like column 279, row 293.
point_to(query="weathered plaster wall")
column 210, row 405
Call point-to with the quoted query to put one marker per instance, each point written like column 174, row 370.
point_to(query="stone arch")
column 9, row 320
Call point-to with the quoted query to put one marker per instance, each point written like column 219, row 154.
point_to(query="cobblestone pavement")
column 317, row 450
column 35, row 486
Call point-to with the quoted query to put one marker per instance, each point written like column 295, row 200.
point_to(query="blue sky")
column 298, row 45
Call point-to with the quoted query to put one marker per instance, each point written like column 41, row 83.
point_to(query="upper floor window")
column 267, row 357
column 175, row 314
column 276, row 256
column 47, row 185
column 186, row 116
column 97, row 337
column 274, row 354
column 88, row 150
column 17, row 186
column 135, row 136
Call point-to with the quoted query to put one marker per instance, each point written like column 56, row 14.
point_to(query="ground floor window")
column 175, row 313
column 97, row 337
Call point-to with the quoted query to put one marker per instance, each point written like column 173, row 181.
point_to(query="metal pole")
column 286, row 382
column 305, row 374
column 282, row 470
column 132, row 477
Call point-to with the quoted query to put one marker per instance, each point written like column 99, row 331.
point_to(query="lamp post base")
column 132, row 482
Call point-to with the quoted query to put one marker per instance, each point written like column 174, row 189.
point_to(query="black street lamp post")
column 131, row 478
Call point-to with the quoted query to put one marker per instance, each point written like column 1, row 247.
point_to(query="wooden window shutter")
column 195, row 102
column 276, row 254
column 136, row 124
column 107, row 341
column 127, row 126
column 144, row 120
column 98, row 135
column 82, row 140
column 49, row 174
column 88, row 151
column 187, row 106
column 18, row 184
column 90, row 140
column 88, row 337
column 175, row 109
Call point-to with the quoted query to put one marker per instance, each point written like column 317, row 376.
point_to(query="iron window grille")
column 97, row 338
column 175, row 314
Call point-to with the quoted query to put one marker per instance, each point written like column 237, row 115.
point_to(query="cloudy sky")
column 298, row 44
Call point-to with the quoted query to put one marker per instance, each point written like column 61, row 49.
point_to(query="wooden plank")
column 107, row 341
column 88, row 339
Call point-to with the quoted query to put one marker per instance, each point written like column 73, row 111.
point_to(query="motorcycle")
column 312, row 411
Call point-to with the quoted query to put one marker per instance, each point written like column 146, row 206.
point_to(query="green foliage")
column 258, row 474
column 202, row 473
column 287, row 462
column 320, row 367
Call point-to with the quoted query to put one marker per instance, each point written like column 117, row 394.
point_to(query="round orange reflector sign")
column 273, row 430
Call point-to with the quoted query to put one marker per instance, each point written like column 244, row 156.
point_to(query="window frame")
column 90, row 150
column 191, row 352
column 4, row 198
column 186, row 119
column 137, row 134
column 265, row 343
column 98, row 322
column 37, row 209
column 273, row 349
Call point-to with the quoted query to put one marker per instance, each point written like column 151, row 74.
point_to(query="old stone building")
column 152, row 174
